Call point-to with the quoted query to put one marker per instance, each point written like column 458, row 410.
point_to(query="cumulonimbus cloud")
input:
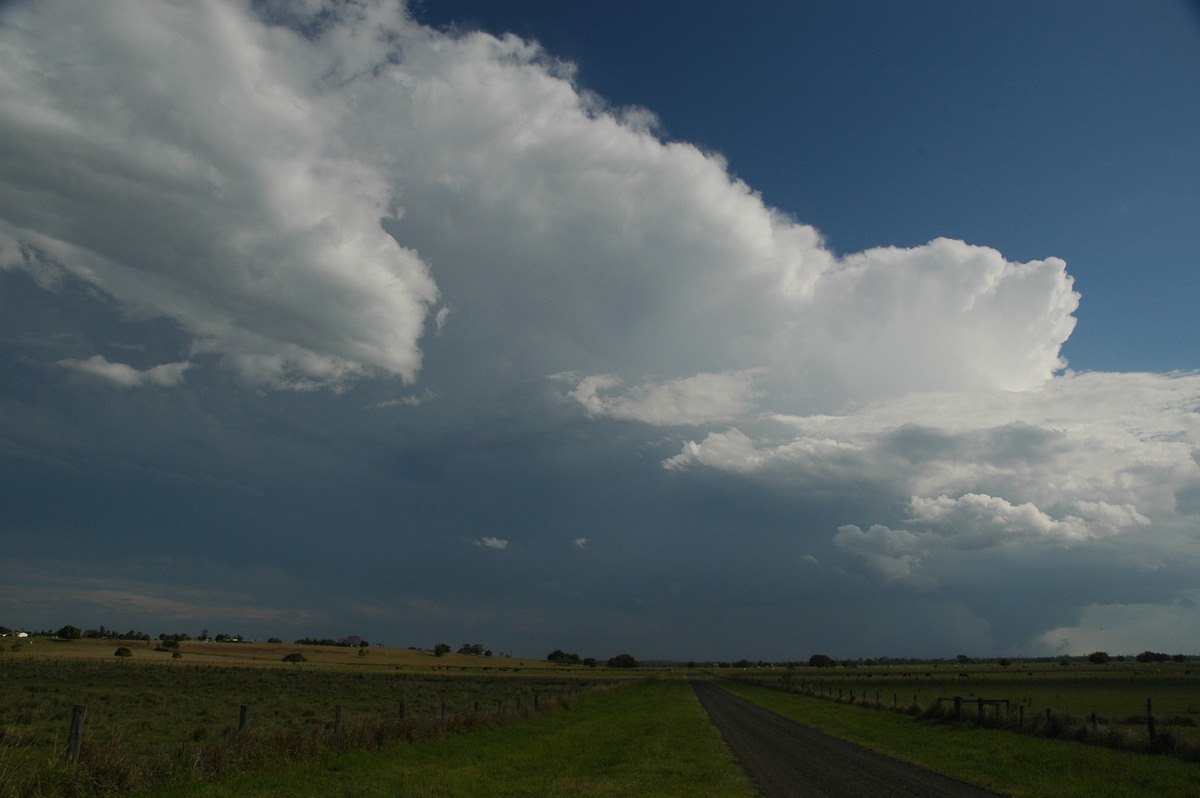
column 297, row 186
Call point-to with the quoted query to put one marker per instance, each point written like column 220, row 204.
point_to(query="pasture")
column 148, row 712
column 1117, row 693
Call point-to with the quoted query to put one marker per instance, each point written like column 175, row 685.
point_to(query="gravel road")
column 786, row 759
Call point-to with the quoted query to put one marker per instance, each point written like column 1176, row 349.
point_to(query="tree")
column 1098, row 657
column 562, row 657
column 962, row 659
column 821, row 661
column 69, row 632
column 1004, row 662
column 623, row 661
column 441, row 649
column 123, row 652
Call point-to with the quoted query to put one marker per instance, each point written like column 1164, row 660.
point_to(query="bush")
column 122, row 652
column 295, row 656
column 623, row 661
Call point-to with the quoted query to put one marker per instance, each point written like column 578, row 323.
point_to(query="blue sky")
column 686, row 330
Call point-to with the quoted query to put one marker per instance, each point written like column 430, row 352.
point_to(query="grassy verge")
column 1007, row 763
column 650, row 739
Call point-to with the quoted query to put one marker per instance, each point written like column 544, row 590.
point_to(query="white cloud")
column 491, row 543
column 125, row 376
column 232, row 176
column 581, row 543
column 209, row 182
column 1104, row 462
column 702, row 399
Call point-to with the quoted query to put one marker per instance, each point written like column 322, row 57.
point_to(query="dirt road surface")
column 786, row 759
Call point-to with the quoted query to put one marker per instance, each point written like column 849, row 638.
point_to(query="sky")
column 689, row 330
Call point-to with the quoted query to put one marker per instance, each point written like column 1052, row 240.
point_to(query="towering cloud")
column 293, row 191
column 326, row 195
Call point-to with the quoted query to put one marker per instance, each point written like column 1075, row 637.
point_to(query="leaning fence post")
column 243, row 717
column 76, row 738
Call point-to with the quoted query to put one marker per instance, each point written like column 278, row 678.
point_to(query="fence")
column 1058, row 725
column 403, row 725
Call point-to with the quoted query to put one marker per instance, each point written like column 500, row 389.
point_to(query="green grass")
column 146, row 718
column 649, row 739
column 1009, row 763
column 1116, row 692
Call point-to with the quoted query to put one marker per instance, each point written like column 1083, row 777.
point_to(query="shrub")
column 122, row 652
column 295, row 656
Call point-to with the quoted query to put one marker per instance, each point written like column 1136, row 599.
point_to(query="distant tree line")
column 70, row 632
column 351, row 641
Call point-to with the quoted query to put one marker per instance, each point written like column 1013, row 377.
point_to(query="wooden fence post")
column 243, row 717
column 76, row 739
column 1150, row 720
column 337, row 720
column 443, row 713
column 402, row 710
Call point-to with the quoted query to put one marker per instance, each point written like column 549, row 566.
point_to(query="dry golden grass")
column 268, row 654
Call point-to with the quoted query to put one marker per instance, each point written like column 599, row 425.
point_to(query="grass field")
column 149, row 712
column 1116, row 692
column 172, row 722
column 650, row 739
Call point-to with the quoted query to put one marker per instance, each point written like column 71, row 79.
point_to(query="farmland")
column 149, row 711
column 175, row 723
column 1116, row 693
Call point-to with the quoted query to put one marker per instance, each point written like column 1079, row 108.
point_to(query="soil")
column 786, row 759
